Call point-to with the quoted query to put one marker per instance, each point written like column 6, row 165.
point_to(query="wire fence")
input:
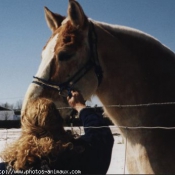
column 9, row 135
column 127, row 105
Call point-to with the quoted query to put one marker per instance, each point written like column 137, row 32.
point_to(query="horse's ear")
column 76, row 14
column 53, row 20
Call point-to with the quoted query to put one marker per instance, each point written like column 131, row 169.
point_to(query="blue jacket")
column 91, row 153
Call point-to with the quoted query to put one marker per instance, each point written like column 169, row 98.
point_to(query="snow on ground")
column 118, row 154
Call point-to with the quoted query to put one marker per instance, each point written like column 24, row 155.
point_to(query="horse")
column 122, row 66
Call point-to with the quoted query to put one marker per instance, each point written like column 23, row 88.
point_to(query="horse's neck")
column 123, row 32
column 137, row 69
column 123, row 54
column 115, row 59
column 118, row 45
column 119, row 41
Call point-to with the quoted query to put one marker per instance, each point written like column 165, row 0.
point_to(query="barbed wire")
column 119, row 106
column 125, row 106
column 132, row 127
column 114, row 126
column 121, row 127
column 98, row 127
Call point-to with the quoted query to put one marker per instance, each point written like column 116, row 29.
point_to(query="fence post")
column 126, row 141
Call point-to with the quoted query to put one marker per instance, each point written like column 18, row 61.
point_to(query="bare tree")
column 7, row 105
column 18, row 105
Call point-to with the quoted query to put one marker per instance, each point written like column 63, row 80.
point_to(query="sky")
column 24, row 32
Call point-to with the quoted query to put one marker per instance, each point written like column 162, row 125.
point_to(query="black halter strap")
column 66, row 85
column 92, row 62
column 93, row 39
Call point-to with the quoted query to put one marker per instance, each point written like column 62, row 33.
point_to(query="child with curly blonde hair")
column 43, row 136
column 45, row 145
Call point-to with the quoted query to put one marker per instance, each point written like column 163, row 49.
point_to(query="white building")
column 7, row 114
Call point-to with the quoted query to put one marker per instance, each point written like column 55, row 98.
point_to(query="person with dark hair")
column 44, row 144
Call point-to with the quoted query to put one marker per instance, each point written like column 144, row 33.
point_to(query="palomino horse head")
column 69, row 59
column 138, row 72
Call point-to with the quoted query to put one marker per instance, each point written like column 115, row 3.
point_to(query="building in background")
column 7, row 114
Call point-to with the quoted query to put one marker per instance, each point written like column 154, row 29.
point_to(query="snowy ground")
column 118, row 153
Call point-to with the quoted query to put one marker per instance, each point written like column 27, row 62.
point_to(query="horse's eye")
column 64, row 56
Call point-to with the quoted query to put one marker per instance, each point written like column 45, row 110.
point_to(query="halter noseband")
column 92, row 62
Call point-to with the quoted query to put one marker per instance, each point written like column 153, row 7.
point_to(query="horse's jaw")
column 34, row 91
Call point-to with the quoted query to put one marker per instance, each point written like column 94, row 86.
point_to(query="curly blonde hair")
column 42, row 135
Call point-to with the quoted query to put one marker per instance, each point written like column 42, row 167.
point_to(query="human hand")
column 76, row 101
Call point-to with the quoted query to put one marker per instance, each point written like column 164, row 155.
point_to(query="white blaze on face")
column 47, row 56
column 43, row 72
column 33, row 91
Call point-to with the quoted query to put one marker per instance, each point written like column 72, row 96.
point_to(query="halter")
column 92, row 62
